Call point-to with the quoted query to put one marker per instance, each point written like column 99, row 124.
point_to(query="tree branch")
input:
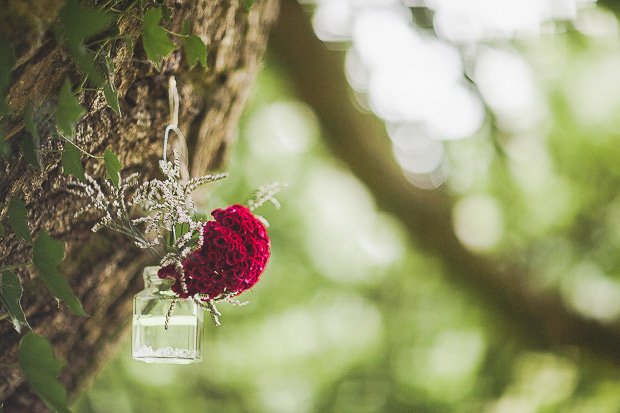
column 541, row 319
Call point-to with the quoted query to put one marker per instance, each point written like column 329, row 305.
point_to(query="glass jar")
column 151, row 342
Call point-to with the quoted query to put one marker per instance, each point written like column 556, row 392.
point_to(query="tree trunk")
column 104, row 271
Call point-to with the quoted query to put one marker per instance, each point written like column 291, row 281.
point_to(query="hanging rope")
column 173, row 101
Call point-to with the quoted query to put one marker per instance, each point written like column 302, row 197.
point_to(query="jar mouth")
column 152, row 279
column 150, row 273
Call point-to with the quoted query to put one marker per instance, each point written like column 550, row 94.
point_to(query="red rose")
column 232, row 257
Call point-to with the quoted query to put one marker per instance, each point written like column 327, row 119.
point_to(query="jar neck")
column 153, row 282
column 150, row 276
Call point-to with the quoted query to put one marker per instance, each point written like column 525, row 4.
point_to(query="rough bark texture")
column 104, row 271
column 540, row 319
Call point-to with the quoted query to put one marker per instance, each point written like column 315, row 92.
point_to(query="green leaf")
column 5, row 150
column 109, row 91
column 11, row 292
column 129, row 44
column 42, row 368
column 112, row 166
column 248, row 4
column 87, row 65
column 80, row 23
column 29, row 121
column 2, row 232
column 7, row 61
column 29, row 147
column 166, row 13
column 68, row 111
column 47, row 254
column 109, row 64
column 194, row 47
column 30, row 142
column 111, row 97
column 17, row 219
column 155, row 38
column 71, row 161
column 76, row 25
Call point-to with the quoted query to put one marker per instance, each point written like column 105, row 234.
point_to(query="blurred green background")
column 351, row 315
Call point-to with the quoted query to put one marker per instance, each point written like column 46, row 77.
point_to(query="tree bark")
column 541, row 319
column 104, row 271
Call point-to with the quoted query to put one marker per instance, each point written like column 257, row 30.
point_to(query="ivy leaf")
column 248, row 4
column 80, row 23
column 166, row 12
column 87, row 65
column 129, row 44
column 72, row 162
column 112, row 166
column 109, row 91
column 17, row 219
column 111, row 97
column 155, row 38
column 109, row 64
column 76, row 25
column 194, row 47
column 30, row 143
column 42, row 368
column 29, row 147
column 11, row 294
column 5, row 150
column 47, row 254
column 68, row 111
column 29, row 121
column 7, row 61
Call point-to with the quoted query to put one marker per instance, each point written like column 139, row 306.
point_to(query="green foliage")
column 248, row 4
column 30, row 143
column 7, row 61
column 167, row 16
column 112, row 166
column 5, row 150
column 81, row 23
column 71, row 161
column 129, row 43
column 47, row 254
column 109, row 63
column 2, row 232
column 68, row 111
column 42, row 368
column 109, row 91
column 111, row 97
column 155, row 39
column 194, row 47
column 78, row 24
column 30, row 151
column 10, row 295
column 17, row 219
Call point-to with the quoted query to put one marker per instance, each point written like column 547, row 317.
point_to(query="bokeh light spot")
column 478, row 221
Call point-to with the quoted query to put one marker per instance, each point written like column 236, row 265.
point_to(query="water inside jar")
column 179, row 344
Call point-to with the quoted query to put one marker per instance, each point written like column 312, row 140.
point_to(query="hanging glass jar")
column 151, row 342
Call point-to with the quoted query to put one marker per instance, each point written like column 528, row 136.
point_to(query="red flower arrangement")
column 233, row 255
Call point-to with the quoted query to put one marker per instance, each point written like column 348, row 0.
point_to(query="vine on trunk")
column 88, row 34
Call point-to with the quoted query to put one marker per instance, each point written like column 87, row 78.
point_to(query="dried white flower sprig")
column 169, row 221
column 265, row 193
